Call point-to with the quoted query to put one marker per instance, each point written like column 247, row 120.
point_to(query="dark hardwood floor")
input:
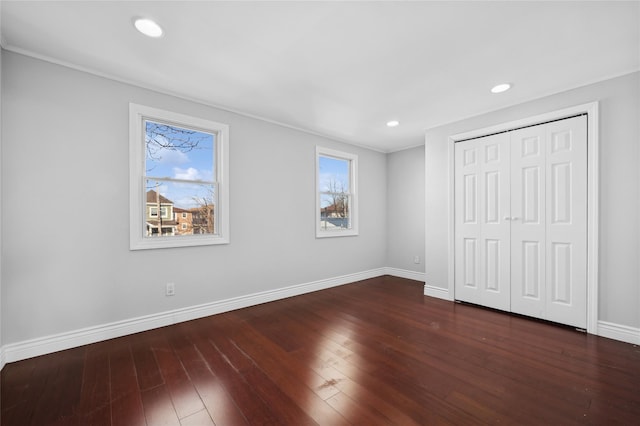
column 368, row 353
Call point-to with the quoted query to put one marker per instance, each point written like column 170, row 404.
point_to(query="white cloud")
column 192, row 173
column 171, row 156
column 187, row 174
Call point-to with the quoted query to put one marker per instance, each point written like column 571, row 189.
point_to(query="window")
column 177, row 164
column 153, row 211
column 336, row 198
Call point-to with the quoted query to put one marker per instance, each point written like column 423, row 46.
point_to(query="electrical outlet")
column 170, row 289
column 416, row 259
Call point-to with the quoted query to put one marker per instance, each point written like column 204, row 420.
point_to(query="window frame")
column 164, row 212
column 352, row 159
column 138, row 114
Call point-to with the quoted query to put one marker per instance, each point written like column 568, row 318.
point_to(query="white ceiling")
column 339, row 69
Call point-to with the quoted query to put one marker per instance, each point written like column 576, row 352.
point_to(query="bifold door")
column 521, row 221
column 482, row 242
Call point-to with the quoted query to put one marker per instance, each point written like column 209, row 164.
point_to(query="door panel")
column 561, row 185
column 531, row 286
column 561, row 282
column 492, row 265
column 528, row 221
column 471, row 263
column 567, row 228
column 530, row 195
column 530, row 146
column 482, row 221
column 470, row 199
column 492, row 197
column 466, row 223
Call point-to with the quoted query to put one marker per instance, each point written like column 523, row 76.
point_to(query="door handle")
column 507, row 218
column 515, row 218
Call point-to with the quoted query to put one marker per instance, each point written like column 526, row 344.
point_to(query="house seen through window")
column 180, row 170
column 177, row 180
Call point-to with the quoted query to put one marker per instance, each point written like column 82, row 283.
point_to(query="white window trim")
column 137, row 195
column 353, row 190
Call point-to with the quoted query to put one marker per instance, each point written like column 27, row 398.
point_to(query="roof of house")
column 152, row 197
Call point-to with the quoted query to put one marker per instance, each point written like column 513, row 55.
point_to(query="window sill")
column 333, row 234
column 176, row 241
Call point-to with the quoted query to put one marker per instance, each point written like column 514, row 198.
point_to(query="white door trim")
column 591, row 109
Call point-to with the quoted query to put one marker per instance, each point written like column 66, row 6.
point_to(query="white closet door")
column 482, row 243
column 549, row 221
column 528, row 225
column 566, row 227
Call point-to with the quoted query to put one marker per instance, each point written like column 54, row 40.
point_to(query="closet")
column 520, row 230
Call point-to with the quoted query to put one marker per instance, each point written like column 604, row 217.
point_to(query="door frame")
column 591, row 110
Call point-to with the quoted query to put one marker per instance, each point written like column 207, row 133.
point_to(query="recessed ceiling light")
column 393, row 123
column 501, row 88
column 148, row 27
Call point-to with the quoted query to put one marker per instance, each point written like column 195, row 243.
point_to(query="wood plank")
column 126, row 402
column 253, row 408
column 354, row 412
column 95, row 398
column 220, row 405
column 201, row 418
column 184, row 396
column 147, row 370
column 158, row 409
column 306, row 389
column 59, row 398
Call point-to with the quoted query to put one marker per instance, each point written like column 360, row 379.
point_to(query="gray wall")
column 405, row 213
column 619, row 268
column 65, row 215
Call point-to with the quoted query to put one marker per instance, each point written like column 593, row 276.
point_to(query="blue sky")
column 334, row 174
column 333, row 170
column 166, row 159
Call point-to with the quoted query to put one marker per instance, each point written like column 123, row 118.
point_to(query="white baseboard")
column 429, row 290
column 619, row 332
column 437, row 292
column 49, row 344
column 404, row 273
